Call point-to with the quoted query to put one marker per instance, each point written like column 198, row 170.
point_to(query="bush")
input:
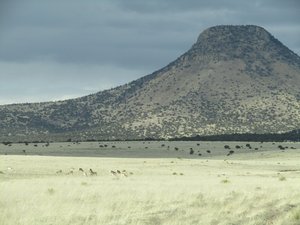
column 226, row 146
column 50, row 191
column 225, row 181
column 282, row 178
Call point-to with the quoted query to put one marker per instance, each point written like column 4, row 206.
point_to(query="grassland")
column 157, row 184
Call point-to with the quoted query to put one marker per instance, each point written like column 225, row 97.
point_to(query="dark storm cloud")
column 126, row 33
column 179, row 5
column 115, row 41
column 98, row 33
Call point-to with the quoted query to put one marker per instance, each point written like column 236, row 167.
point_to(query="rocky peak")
column 246, row 42
column 229, row 33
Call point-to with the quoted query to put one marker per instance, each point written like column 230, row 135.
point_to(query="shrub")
column 225, row 181
column 50, row 191
column 191, row 151
column 282, row 178
column 84, row 183
column 297, row 215
column 226, row 146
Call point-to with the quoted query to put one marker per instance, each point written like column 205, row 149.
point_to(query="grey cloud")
column 128, row 37
column 212, row 5
column 41, row 81
column 121, row 33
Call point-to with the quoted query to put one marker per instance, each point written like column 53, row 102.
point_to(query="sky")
column 59, row 49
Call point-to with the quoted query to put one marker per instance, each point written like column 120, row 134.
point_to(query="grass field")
column 157, row 184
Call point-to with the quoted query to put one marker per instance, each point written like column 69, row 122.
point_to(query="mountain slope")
column 234, row 79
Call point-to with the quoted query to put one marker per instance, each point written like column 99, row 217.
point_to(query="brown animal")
column 113, row 173
column 93, row 173
column 70, row 172
column 124, row 172
column 84, row 173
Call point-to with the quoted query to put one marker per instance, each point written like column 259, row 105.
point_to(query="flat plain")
column 150, row 183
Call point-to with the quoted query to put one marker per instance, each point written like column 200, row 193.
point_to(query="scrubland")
column 39, row 187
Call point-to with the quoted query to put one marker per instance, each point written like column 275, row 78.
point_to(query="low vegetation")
column 249, row 187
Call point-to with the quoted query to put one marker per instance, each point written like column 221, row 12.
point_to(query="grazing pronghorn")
column 59, row 171
column 118, row 172
column 93, row 173
column 124, row 172
column 113, row 173
column 71, row 171
column 84, row 173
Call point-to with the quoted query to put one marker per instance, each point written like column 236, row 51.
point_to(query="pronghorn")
column 71, row 171
column 84, row 173
column 124, row 172
column 93, row 173
column 113, row 173
column 59, row 171
column 118, row 172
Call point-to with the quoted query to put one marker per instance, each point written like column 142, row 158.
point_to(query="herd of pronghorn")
column 91, row 172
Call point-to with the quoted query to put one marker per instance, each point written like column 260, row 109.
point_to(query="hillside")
column 234, row 79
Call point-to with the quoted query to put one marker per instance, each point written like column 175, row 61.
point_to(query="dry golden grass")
column 248, row 188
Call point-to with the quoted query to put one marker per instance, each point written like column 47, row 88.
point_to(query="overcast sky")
column 58, row 49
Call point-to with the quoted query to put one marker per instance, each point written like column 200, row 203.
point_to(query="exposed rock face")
column 234, row 79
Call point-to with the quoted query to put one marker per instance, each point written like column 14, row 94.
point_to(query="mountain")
column 234, row 79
